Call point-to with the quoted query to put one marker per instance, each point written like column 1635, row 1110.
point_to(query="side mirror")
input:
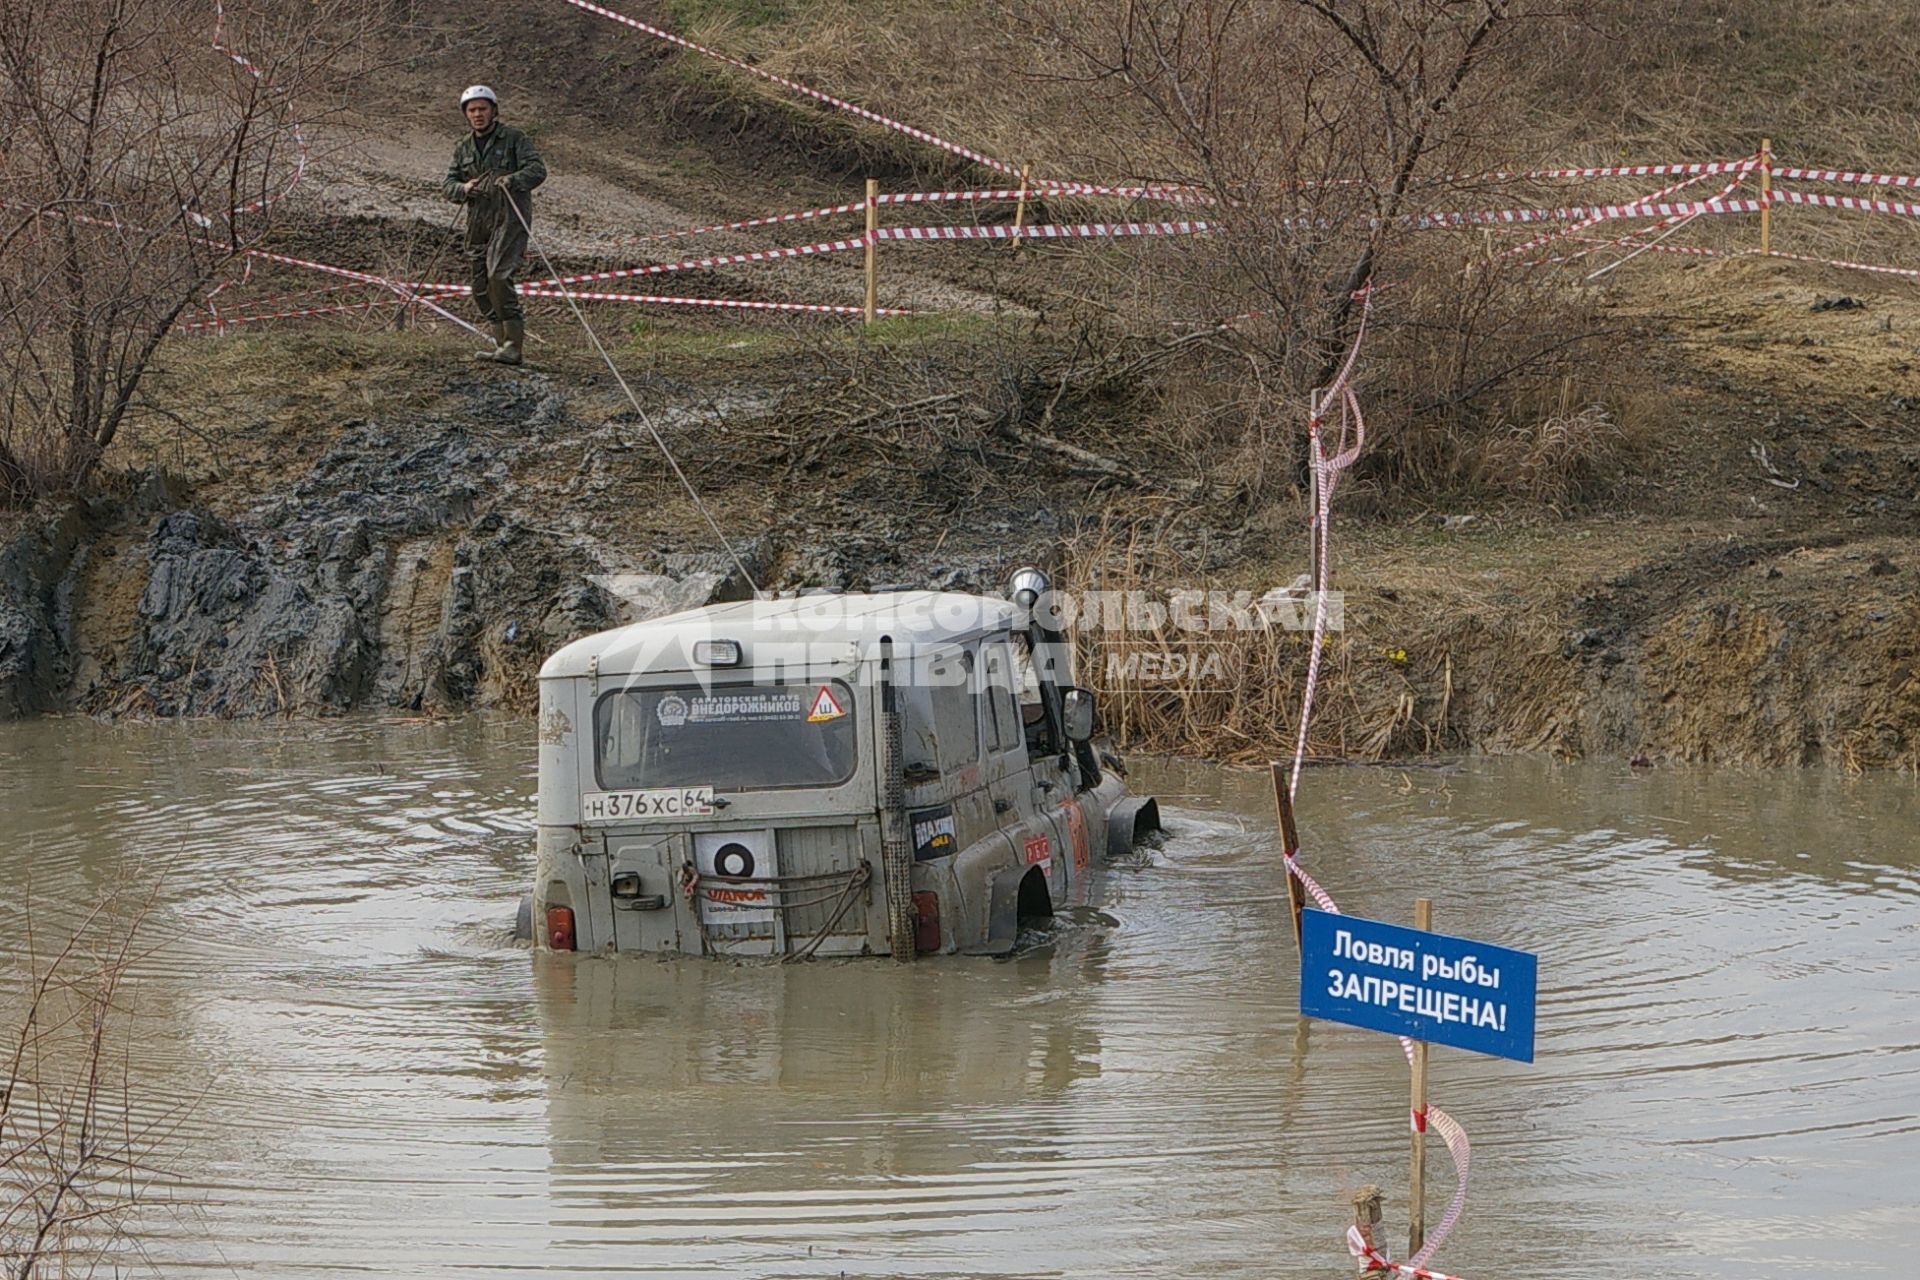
column 1078, row 706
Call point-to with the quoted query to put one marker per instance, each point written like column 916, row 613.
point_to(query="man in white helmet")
column 494, row 172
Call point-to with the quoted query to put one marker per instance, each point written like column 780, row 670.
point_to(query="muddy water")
column 1727, row 1084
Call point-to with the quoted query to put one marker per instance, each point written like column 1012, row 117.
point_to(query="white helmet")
column 477, row 91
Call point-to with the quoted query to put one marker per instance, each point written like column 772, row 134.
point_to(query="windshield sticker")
column 674, row 711
column 825, row 706
column 933, row 833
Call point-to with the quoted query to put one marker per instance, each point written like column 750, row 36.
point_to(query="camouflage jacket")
column 506, row 151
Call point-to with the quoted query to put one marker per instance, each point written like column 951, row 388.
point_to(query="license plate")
column 627, row 806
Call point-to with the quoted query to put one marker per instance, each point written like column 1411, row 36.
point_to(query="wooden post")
column 1417, row 1175
column 873, row 225
column 1020, row 210
column 1290, row 841
column 1766, row 197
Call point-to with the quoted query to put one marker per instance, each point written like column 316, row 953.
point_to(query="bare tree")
column 148, row 147
column 1310, row 131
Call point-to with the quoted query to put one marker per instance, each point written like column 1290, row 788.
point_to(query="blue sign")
column 1425, row 986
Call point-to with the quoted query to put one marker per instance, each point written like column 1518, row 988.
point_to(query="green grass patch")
column 649, row 336
column 922, row 330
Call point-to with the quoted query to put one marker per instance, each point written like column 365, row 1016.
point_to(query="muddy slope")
column 432, row 559
column 370, row 580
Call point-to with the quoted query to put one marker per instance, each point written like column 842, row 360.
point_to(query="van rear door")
column 769, row 852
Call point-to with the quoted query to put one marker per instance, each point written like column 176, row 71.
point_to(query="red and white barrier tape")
column 346, row 273
column 424, row 295
column 1459, row 1149
column 1047, row 231
column 1859, row 204
column 1695, row 251
column 785, row 83
column 736, row 303
column 246, row 274
column 299, row 135
column 1578, row 213
column 1041, row 189
column 998, row 195
column 1841, row 175
column 273, row 299
column 1907, row 272
column 1327, row 472
column 1381, row 1262
column 338, row 308
column 740, row 304
column 695, row 264
column 820, row 247
column 744, row 224
column 1673, row 189
column 1603, row 171
column 1038, row 190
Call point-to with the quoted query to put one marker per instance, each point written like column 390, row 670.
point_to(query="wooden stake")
column 1417, row 1175
column 1020, row 210
column 1766, row 196
column 1290, row 841
column 873, row 225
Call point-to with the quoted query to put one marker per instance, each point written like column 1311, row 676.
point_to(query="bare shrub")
column 76, row 1153
column 1236, row 696
column 142, row 161
column 1310, row 126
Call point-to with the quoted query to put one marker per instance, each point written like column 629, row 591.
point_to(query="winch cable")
column 633, row 400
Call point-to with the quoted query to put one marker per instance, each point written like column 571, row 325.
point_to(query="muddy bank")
column 1795, row 651
column 372, row 581
column 430, row 564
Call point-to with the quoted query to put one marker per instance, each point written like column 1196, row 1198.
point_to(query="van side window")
column 956, row 731
column 1033, row 709
column 998, row 713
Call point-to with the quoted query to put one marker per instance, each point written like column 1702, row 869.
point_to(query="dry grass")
column 1557, row 460
column 1237, row 697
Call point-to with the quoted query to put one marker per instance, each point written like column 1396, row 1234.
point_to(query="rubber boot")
column 499, row 336
column 509, row 352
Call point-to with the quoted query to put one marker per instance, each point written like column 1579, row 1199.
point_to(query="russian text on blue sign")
column 1425, row 986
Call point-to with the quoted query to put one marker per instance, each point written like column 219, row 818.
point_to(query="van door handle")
column 1001, row 806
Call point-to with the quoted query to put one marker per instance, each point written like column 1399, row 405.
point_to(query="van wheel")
column 1036, row 903
column 1129, row 822
column 523, row 919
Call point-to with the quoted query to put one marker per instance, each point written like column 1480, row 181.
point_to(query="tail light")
column 926, row 922
column 560, row 928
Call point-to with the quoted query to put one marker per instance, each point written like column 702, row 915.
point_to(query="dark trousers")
column 494, row 295
column 491, row 262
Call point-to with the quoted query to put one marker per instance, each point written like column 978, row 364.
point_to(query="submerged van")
column 898, row 774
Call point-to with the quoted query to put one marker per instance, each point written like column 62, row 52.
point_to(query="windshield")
column 742, row 737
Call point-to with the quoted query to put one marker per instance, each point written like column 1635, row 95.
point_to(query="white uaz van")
column 887, row 774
